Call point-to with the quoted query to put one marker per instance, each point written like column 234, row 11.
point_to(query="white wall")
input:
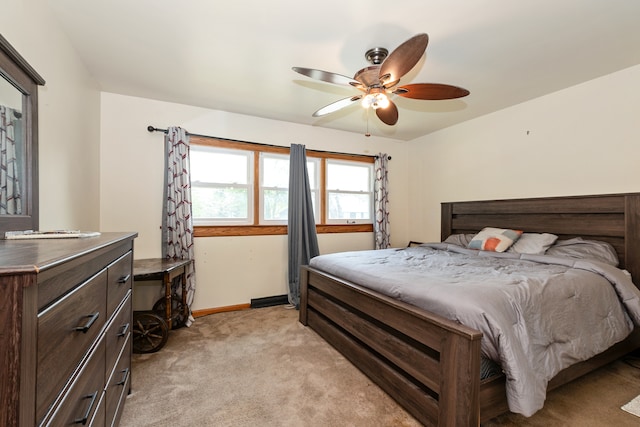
column 581, row 140
column 229, row 270
column 69, row 118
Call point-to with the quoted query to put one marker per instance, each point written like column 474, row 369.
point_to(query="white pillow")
column 494, row 239
column 533, row 243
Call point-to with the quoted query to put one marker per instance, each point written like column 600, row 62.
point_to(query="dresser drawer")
column 120, row 277
column 119, row 383
column 118, row 334
column 66, row 332
column 84, row 401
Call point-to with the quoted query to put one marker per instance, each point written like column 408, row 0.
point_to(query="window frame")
column 258, row 229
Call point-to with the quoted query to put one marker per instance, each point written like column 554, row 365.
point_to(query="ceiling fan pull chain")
column 367, row 134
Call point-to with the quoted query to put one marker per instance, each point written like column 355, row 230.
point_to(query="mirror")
column 12, row 150
column 18, row 141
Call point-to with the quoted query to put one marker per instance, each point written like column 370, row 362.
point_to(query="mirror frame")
column 17, row 71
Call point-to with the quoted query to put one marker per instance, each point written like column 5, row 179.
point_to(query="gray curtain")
column 302, row 238
column 381, row 233
column 177, row 222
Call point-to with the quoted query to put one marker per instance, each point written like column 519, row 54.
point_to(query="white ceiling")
column 237, row 55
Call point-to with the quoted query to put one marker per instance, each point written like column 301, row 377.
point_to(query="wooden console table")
column 166, row 270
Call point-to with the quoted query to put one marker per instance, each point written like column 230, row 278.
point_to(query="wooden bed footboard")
column 430, row 365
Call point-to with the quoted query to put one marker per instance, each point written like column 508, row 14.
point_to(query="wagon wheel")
column 178, row 318
column 150, row 332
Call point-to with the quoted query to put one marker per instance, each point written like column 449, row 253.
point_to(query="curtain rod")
column 155, row 129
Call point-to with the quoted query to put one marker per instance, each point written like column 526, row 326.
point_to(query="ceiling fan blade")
column 431, row 91
column 326, row 76
column 335, row 106
column 388, row 115
column 404, row 57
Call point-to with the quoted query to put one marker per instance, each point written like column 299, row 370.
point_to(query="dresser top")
column 35, row 255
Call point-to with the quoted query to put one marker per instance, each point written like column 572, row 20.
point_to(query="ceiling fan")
column 380, row 80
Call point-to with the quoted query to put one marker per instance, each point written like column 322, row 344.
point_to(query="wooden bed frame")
column 431, row 365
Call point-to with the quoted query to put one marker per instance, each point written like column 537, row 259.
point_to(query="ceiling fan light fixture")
column 375, row 100
column 380, row 101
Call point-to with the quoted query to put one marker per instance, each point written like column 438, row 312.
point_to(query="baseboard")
column 255, row 303
column 208, row 311
column 269, row 301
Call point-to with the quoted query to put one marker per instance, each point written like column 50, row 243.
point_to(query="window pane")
column 276, row 205
column 348, row 177
column 275, row 171
column 349, row 206
column 312, row 171
column 315, row 195
column 220, row 203
column 220, row 167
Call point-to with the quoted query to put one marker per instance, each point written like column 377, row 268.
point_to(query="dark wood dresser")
column 65, row 330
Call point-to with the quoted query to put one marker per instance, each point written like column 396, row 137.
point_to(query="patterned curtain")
column 381, row 202
column 177, row 224
column 10, row 195
column 301, row 229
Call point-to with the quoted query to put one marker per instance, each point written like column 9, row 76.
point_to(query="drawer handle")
column 92, row 318
column 123, row 330
column 125, row 376
column 84, row 419
column 124, row 279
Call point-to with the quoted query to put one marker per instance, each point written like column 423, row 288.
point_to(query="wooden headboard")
column 613, row 218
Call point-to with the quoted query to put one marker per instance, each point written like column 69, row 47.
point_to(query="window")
column 349, row 192
column 241, row 188
column 221, row 185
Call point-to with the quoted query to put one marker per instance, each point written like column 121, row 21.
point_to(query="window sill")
column 268, row 230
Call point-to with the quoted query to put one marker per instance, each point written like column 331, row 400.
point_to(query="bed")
column 430, row 364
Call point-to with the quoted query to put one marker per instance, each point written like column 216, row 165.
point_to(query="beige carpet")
column 261, row 367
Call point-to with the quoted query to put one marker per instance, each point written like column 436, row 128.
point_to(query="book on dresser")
column 65, row 330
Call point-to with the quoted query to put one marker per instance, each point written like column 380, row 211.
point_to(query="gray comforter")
column 539, row 314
